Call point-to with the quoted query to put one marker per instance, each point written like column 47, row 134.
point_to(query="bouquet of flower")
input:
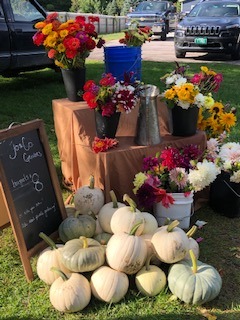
column 110, row 96
column 172, row 171
column 217, row 119
column 186, row 91
column 68, row 43
column 136, row 36
column 226, row 156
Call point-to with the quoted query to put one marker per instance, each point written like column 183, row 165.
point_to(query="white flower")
column 203, row 175
column 199, row 100
column 170, row 80
column 227, row 165
column 180, row 81
column 184, row 105
column 230, row 151
column 235, row 177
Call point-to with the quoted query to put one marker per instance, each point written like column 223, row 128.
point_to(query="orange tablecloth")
column 114, row 169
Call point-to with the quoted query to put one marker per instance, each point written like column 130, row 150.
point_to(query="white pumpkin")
column 126, row 252
column 125, row 218
column 193, row 244
column 89, row 198
column 170, row 243
column 98, row 227
column 151, row 252
column 109, row 285
column 150, row 280
column 106, row 212
column 150, row 223
column 70, row 292
column 48, row 258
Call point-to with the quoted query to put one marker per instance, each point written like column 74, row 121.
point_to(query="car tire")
column 180, row 54
column 235, row 55
column 163, row 36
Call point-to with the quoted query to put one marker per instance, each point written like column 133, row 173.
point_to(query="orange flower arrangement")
column 68, row 43
column 102, row 145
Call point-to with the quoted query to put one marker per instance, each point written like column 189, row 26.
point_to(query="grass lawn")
column 29, row 97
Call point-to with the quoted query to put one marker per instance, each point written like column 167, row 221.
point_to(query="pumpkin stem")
column 147, row 263
column 48, row 240
column 191, row 231
column 61, row 274
column 91, row 182
column 114, row 199
column 91, row 214
column 132, row 204
column 134, row 228
column 85, row 242
column 172, row 225
column 194, row 261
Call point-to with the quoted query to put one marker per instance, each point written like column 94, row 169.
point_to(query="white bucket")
column 180, row 210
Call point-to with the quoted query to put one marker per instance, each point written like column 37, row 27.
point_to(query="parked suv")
column 159, row 15
column 211, row 26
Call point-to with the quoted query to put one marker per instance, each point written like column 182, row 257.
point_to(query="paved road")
column 164, row 51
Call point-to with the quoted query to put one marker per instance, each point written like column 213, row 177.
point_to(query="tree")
column 112, row 8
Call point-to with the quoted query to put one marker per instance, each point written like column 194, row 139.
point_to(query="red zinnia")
column 70, row 54
column 88, row 85
column 80, row 19
column 90, row 44
column 71, row 43
column 89, row 97
column 51, row 53
column 102, row 145
column 93, row 19
column 38, row 38
column 89, row 28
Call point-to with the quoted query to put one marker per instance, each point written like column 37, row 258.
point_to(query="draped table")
column 114, row 169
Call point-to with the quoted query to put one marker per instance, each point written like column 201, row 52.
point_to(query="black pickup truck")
column 17, row 51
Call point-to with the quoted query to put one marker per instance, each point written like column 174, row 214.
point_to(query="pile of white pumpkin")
column 115, row 240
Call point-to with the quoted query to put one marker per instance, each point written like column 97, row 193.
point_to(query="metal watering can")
column 147, row 123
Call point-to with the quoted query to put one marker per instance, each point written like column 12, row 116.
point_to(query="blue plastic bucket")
column 123, row 59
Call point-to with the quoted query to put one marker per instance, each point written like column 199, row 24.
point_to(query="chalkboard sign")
column 30, row 185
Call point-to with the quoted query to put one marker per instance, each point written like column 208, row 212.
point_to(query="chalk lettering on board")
column 38, row 185
column 23, row 145
column 28, row 158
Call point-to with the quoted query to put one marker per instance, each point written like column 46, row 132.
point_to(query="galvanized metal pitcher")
column 147, row 125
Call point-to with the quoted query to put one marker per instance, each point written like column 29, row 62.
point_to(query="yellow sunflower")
column 228, row 119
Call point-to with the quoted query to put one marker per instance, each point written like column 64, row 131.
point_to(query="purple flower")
column 82, row 36
column 146, row 196
column 149, row 163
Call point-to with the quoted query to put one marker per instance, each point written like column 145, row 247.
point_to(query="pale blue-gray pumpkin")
column 76, row 226
column 83, row 255
column 193, row 281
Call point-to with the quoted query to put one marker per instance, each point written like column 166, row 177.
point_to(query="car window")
column 151, row 6
column 215, row 10
column 1, row 12
column 23, row 10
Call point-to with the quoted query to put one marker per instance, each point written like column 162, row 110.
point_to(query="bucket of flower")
column 169, row 180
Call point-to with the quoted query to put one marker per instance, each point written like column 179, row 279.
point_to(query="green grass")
column 29, row 97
